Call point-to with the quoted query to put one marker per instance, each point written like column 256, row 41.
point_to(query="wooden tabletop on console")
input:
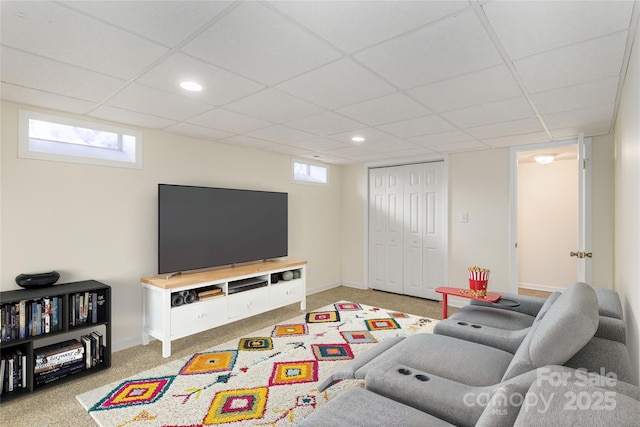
column 161, row 281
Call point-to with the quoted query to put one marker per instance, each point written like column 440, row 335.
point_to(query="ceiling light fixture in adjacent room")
column 358, row 139
column 191, row 86
column 544, row 159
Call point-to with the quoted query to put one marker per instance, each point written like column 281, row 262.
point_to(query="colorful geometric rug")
column 267, row 378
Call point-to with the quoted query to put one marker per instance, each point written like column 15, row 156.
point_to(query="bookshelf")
column 43, row 323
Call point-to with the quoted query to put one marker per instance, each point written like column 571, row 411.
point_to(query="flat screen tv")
column 202, row 227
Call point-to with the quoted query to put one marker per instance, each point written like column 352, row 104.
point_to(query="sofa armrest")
column 514, row 302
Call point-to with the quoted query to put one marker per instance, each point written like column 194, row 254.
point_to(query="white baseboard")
column 316, row 289
column 354, row 285
column 538, row 287
column 123, row 345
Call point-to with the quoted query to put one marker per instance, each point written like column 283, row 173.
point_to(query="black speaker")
column 39, row 280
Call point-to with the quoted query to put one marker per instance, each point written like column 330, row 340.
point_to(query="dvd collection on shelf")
column 29, row 318
column 87, row 307
column 52, row 362
column 53, row 333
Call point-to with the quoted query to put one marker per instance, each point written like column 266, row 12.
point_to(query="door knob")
column 581, row 254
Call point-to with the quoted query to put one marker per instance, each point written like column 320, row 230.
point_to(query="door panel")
column 434, row 235
column 407, row 229
column 413, row 220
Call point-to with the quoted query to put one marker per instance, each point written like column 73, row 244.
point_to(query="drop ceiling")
column 301, row 78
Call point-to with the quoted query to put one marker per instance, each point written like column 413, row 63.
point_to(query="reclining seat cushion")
column 494, row 317
column 503, row 337
column 567, row 327
column 454, row 359
column 501, row 318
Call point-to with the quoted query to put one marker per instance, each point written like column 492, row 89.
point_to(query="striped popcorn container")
column 478, row 279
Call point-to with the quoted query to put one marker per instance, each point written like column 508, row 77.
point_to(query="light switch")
column 464, row 217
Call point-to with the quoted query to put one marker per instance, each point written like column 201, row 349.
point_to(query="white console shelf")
column 167, row 323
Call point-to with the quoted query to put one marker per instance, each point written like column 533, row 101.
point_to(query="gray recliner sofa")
column 433, row 373
column 549, row 396
column 504, row 326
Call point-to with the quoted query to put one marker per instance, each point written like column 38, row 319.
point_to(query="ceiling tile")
column 280, row 134
column 530, row 27
column 450, row 47
column 229, row 121
column 458, row 146
column 287, row 150
column 349, row 24
column 574, row 64
column 415, row 127
column 319, row 144
column 157, row 103
column 410, row 153
column 219, row 86
column 324, row 158
column 495, row 112
column 492, row 84
column 247, row 141
column 254, row 41
column 79, row 40
column 450, row 137
column 23, row 69
column 274, row 105
column 197, row 131
column 392, row 146
column 590, row 94
column 337, row 84
column 592, row 129
column 515, row 127
column 386, row 109
column 25, row 95
column 120, row 115
column 169, row 23
column 370, row 134
column 326, row 123
column 577, row 118
column 358, row 154
column 513, row 140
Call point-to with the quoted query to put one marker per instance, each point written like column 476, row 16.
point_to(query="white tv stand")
column 167, row 323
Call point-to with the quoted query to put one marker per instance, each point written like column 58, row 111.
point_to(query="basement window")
column 309, row 173
column 47, row 137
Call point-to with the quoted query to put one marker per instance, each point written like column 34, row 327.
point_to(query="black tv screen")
column 201, row 227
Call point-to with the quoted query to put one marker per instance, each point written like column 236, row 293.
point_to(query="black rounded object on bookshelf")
column 38, row 280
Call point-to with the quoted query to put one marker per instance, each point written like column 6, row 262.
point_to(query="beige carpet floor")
column 57, row 406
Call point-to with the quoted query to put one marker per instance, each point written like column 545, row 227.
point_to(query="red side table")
column 463, row 293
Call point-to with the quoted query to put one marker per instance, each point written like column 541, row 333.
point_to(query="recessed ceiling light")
column 358, row 139
column 191, row 86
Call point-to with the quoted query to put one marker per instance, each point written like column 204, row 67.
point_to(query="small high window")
column 309, row 173
column 47, row 137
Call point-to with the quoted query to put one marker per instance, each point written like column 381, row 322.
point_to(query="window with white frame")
column 310, row 173
column 47, row 137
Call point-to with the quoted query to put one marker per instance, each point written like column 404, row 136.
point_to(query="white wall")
column 479, row 186
column 602, row 231
column 354, row 211
column 94, row 222
column 627, row 203
column 547, row 224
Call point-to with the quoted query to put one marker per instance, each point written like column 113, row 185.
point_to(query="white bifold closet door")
column 407, row 229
